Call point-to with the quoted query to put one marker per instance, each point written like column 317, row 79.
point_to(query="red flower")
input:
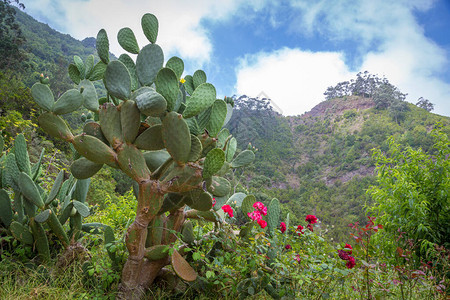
column 227, row 209
column 297, row 258
column 350, row 262
column 347, row 246
column 282, row 227
column 287, row 247
column 311, row 219
column 300, row 229
column 310, row 227
column 262, row 223
column 214, row 201
column 343, row 255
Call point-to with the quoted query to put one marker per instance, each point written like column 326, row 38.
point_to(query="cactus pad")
column 198, row 78
column 43, row 216
column 43, row 96
column 177, row 137
column 98, row 71
column 187, row 232
column 131, row 66
column 90, row 99
column 231, row 149
column 149, row 60
column 213, row 162
column 110, row 124
column 132, row 162
column 182, row 267
column 74, row 73
column 196, row 148
column 102, row 44
column 55, row 126
column 56, row 187
column 118, row 80
column 150, row 102
column 94, row 149
column 150, row 139
column 156, row 252
column 130, row 119
column 177, row 65
column 167, row 85
column 6, row 212
column 154, row 159
column 149, row 25
column 202, row 98
column 242, row 159
column 21, row 233
column 30, row 190
column 21, row 153
column 219, row 186
column 217, row 117
column 127, row 40
column 68, row 102
column 273, row 215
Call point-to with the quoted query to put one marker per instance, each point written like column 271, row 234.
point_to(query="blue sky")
column 290, row 50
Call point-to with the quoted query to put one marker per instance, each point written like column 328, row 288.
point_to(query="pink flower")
column 350, row 262
column 262, row 223
column 347, row 246
column 227, row 209
column 214, row 201
column 310, row 227
column 260, row 207
column 300, row 229
column 282, row 227
column 255, row 215
column 287, row 247
column 297, row 258
column 311, row 219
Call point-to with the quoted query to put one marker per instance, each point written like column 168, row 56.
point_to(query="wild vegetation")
column 150, row 187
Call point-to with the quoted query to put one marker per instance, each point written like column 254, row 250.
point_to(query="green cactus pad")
column 203, row 118
column 154, row 159
column 202, row 98
column 80, row 66
column 189, row 84
column 224, row 170
column 246, row 230
column 21, row 233
column 244, row 158
column 231, row 149
column 208, row 143
column 94, row 129
column 196, row 148
column 43, row 216
column 129, row 63
column 193, row 126
column 74, row 73
column 148, row 63
column 247, row 204
column 187, row 232
column 55, row 126
column 229, row 114
column 150, row 102
column 130, row 118
column 29, row 189
column 68, row 102
column 177, row 137
column 94, row 228
column 11, row 172
column 150, row 139
column 219, row 186
column 182, row 267
column 149, row 25
column 89, row 65
column 94, row 149
column 90, row 99
column 167, row 85
column 65, row 214
column 36, row 168
column 199, row 200
column 82, row 209
column 118, row 80
column 2, row 143
column 6, row 212
column 217, row 117
column 43, row 96
column 21, row 153
column 132, row 162
column 220, row 201
column 127, row 40
column 182, row 177
column 198, row 78
column 273, row 215
column 157, row 252
column 29, row 207
column 81, row 190
column 55, row 188
column 213, row 162
column 110, row 124
column 98, row 71
column 236, row 199
column 102, row 44
column 177, row 65
column 41, row 241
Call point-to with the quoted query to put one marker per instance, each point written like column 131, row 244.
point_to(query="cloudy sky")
column 289, row 50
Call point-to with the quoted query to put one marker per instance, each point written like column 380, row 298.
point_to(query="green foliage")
column 412, row 193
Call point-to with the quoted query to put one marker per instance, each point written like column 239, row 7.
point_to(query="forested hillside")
column 322, row 161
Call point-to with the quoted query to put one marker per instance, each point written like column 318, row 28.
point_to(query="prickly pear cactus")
column 26, row 209
column 162, row 131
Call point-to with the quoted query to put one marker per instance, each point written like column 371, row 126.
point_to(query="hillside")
column 320, row 162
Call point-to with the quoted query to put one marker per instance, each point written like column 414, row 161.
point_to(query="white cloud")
column 181, row 31
column 294, row 79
